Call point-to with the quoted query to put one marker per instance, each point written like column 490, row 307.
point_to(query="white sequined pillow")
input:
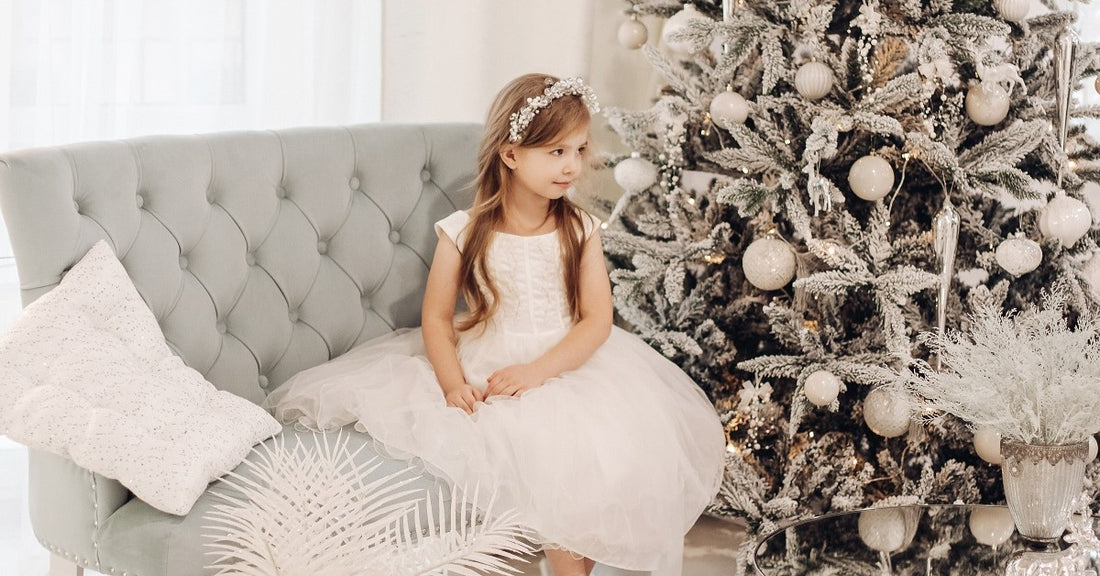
column 85, row 373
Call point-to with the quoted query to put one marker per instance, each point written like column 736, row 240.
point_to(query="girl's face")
column 548, row 171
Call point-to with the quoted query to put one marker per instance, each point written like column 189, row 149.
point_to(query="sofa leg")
column 61, row 567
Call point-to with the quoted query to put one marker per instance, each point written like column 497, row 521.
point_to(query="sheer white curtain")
column 77, row 70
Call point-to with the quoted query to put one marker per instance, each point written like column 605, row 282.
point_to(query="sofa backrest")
column 260, row 253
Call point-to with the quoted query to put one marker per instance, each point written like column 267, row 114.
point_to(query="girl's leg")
column 564, row 564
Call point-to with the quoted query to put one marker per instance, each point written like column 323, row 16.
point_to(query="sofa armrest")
column 68, row 504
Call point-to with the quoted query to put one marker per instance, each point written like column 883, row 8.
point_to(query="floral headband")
column 554, row 90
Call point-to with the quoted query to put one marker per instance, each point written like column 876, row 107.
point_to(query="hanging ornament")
column 768, row 263
column 987, row 443
column 633, row 34
column 1065, row 218
column 1065, row 53
column 821, row 388
column 1013, row 10
column 729, row 108
column 871, row 178
column 986, row 103
column 635, row 174
column 945, row 226
column 1096, row 84
column 1092, row 450
column 813, row 80
column 886, row 412
column 1018, row 256
column 888, row 529
column 991, row 525
column 676, row 23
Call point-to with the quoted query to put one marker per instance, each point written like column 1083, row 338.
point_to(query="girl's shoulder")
column 454, row 227
column 590, row 223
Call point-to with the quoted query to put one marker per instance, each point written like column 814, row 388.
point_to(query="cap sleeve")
column 591, row 224
column 454, row 227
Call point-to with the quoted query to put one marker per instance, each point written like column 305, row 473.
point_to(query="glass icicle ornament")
column 945, row 226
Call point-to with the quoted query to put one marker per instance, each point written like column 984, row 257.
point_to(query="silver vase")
column 1042, row 484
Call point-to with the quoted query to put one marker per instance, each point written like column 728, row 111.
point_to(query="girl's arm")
column 582, row 340
column 437, row 323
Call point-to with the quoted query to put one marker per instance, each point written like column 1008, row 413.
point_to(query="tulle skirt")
column 614, row 460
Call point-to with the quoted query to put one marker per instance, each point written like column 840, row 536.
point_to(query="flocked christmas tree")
column 817, row 184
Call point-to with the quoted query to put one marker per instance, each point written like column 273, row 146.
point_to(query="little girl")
column 607, row 450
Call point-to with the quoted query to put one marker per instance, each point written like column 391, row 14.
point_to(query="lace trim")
column 1068, row 453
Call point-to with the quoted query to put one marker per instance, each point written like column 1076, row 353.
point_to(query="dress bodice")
column 527, row 272
column 528, row 275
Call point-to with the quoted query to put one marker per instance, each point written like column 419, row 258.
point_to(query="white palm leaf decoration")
column 306, row 511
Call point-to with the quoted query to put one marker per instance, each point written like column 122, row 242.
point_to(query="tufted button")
column 140, row 200
column 221, row 328
column 250, row 259
column 263, row 381
column 210, row 196
column 395, row 236
column 76, row 206
column 280, row 192
column 365, row 301
column 184, row 263
column 293, row 315
column 354, row 183
column 425, row 175
column 322, row 247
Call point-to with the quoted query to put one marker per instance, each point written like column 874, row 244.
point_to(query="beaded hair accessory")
column 554, row 90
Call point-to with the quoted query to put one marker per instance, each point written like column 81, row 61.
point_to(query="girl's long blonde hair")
column 563, row 115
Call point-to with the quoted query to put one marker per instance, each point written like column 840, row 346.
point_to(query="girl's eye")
column 582, row 150
column 557, row 152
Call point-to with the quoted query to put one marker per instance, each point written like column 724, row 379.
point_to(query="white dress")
column 614, row 460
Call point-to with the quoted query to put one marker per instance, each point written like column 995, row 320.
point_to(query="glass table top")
column 934, row 539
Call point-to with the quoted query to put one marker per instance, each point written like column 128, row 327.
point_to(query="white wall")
column 444, row 61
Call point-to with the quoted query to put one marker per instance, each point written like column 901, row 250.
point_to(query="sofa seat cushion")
column 144, row 541
column 85, row 373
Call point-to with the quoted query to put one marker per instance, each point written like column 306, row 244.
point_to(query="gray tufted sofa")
column 260, row 254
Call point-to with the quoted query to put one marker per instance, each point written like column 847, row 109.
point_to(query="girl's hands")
column 465, row 397
column 514, row 380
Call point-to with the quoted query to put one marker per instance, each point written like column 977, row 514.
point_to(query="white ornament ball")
column 729, row 108
column 768, row 263
column 871, row 178
column 633, row 34
column 887, row 412
column 1018, row 256
column 1096, row 84
column 1092, row 449
column 888, row 529
column 813, row 80
column 635, row 174
column 991, row 525
column 676, row 23
column 987, row 443
column 986, row 105
column 1013, row 10
column 821, row 388
column 1065, row 218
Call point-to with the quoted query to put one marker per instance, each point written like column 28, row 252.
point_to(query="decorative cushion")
column 85, row 373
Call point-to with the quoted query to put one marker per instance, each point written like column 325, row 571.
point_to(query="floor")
column 709, row 550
